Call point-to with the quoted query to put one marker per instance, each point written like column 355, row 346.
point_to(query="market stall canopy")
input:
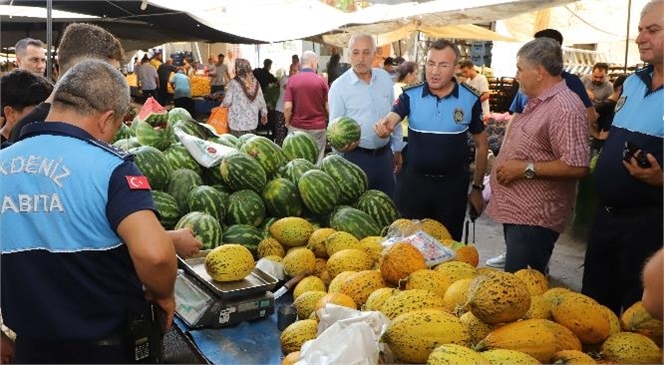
column 136, row 28
column 280, row 20
column 461, row 31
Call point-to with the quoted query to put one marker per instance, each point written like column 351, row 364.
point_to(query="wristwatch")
column 479, row 187
column 529, row 171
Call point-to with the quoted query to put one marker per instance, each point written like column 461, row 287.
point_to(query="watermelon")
column 180, row 158
column 355, row 222
column 122, row 133
column 154, row 165
column 223, row 141
column 152, row 113
column 343, row 131
column 295, row 169
column 241, row 171
column 127, row 143
column 212, row 176
column 350, row 178
column 206, row 228
column 191, row 127
column 244, row 138
column 159, row 137
column 266, row 153
column 181, row 183
column 245, row 235
column 167, row 206
column 265, row 226
column 318, row 191
column 245, row 207
column 300, row 145
column 282, row 198
column 209, row 200
column 379, row 206
column 176, row 114
column 229, row 139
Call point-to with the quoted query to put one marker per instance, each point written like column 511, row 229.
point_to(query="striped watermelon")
column 152, row 113
column 245, row 235
column 229, row 139
column 177, row 114
column 295, row 169
column 349, row 177
column 265, row 226
column 241, row 171
column 159, row 137
column 122, row 133
column 243, row 139
column 191, row 127
column 343, row 131
column 222, row 141
column 318, row 191
column 282, row 198
column 209, row 200
column 245, row 207
column 126, row 144
column 180, row 158
column 206, row 228
column 154, row 165
column 379, row 206
column 355, row 222
column 181, row 183
column 167, row 206
column 300, row 144
column 266, row 153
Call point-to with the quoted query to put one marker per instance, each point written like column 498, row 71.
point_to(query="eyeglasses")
column 443, row 65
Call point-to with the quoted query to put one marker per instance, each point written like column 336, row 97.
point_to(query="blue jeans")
column 528, row 246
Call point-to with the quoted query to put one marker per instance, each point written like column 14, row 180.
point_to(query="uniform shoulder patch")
column 110, row 148
column 471, row 89
column 408, row 87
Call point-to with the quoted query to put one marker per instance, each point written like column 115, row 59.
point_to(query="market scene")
column 332, row 182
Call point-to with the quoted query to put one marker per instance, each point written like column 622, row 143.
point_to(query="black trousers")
column 441, row 197
column 30, row 351
column 618, row 246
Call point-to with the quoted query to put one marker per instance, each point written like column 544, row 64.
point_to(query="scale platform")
column 202, row 302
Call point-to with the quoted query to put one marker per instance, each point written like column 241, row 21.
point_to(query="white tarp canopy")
column 280, row 20
column 461, row 31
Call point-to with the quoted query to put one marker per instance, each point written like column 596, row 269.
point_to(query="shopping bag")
column 219, row 119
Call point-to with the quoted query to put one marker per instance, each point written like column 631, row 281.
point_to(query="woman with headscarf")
column 244, row 100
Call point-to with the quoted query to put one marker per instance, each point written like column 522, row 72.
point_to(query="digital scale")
column 203, row 302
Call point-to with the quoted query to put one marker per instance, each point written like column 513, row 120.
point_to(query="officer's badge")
column 458, row 115
column 620, row 103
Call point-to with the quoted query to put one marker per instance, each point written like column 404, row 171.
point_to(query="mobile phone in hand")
column 630, row 149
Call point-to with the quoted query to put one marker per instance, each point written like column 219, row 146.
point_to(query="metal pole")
column 629, row 16
column 49, row 38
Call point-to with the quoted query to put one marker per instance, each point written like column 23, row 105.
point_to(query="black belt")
column 368, row 151
column 435, row 174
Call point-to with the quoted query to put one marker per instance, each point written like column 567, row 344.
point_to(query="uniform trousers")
column 378, row 164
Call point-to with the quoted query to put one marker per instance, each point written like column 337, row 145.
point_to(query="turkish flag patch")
column 138, row 183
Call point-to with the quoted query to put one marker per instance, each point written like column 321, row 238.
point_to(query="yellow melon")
column 306, row 303
column 341, row 240
column 336, row 298
column 540, row 307
column 499, row 297
column 299, row 260
column 535, row 281
column 435, row 229
column 572, row 357
column 316, row 242
column 637, row 319
column 335, row 283
column 583, row 316
column 529, row 336
column 456, row 270
column 295, row 335
column 309, row 283
column 468, row 254
column 456, row 296
column 348, row 260
column 378, row 297
column 361, row 284
column 431, row 280
column 372, row 245
column 400, row 260
column 477, row 329
column 509, row 357
column 452, row 354
column 320, row 270
column 291, row 358
column 270, row 247
column 410, row 300
column 631, row 348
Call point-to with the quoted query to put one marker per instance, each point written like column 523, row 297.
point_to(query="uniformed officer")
column 440, row 111
column 81, row 244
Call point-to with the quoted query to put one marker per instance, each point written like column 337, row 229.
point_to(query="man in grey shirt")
column 597, row 85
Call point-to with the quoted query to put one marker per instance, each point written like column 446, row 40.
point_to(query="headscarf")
column 245, row 77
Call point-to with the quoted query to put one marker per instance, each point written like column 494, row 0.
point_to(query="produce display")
column 264, row 202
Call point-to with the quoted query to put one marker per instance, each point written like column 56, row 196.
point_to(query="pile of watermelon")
column 238, row 200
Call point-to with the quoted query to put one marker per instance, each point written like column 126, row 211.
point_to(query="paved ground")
column 566, row 263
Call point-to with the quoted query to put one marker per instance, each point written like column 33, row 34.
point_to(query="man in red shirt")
column 305, row 102
column 544, row 153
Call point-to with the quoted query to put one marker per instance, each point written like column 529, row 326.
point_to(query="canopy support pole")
column 49, row 38
column 629, row 16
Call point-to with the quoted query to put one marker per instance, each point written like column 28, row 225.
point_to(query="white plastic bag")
column 433, row 251
column 358, row 331
column 206, row 153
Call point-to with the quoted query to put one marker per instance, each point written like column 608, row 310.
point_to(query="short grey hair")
column 308, row 56
column 545, row 52
column 92, row 86
column 22, row 45
column 648, row 7
column 357, row 36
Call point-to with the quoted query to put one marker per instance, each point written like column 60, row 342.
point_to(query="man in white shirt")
column 478, row 82
column 219, row 75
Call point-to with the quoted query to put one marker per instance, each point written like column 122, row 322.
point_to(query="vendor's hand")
column 398, row 161
column 6, row 350
column 650, row 175
column 263, row 119
column 383, row 128
column 349, row 147
column 510, row 171
column 476, row 201
column 185, row 242
column 168, row 307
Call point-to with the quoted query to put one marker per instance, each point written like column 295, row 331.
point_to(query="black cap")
column 390, row 61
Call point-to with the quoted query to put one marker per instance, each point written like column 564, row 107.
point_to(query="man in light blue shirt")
column 366, row 94
column 182, row 95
